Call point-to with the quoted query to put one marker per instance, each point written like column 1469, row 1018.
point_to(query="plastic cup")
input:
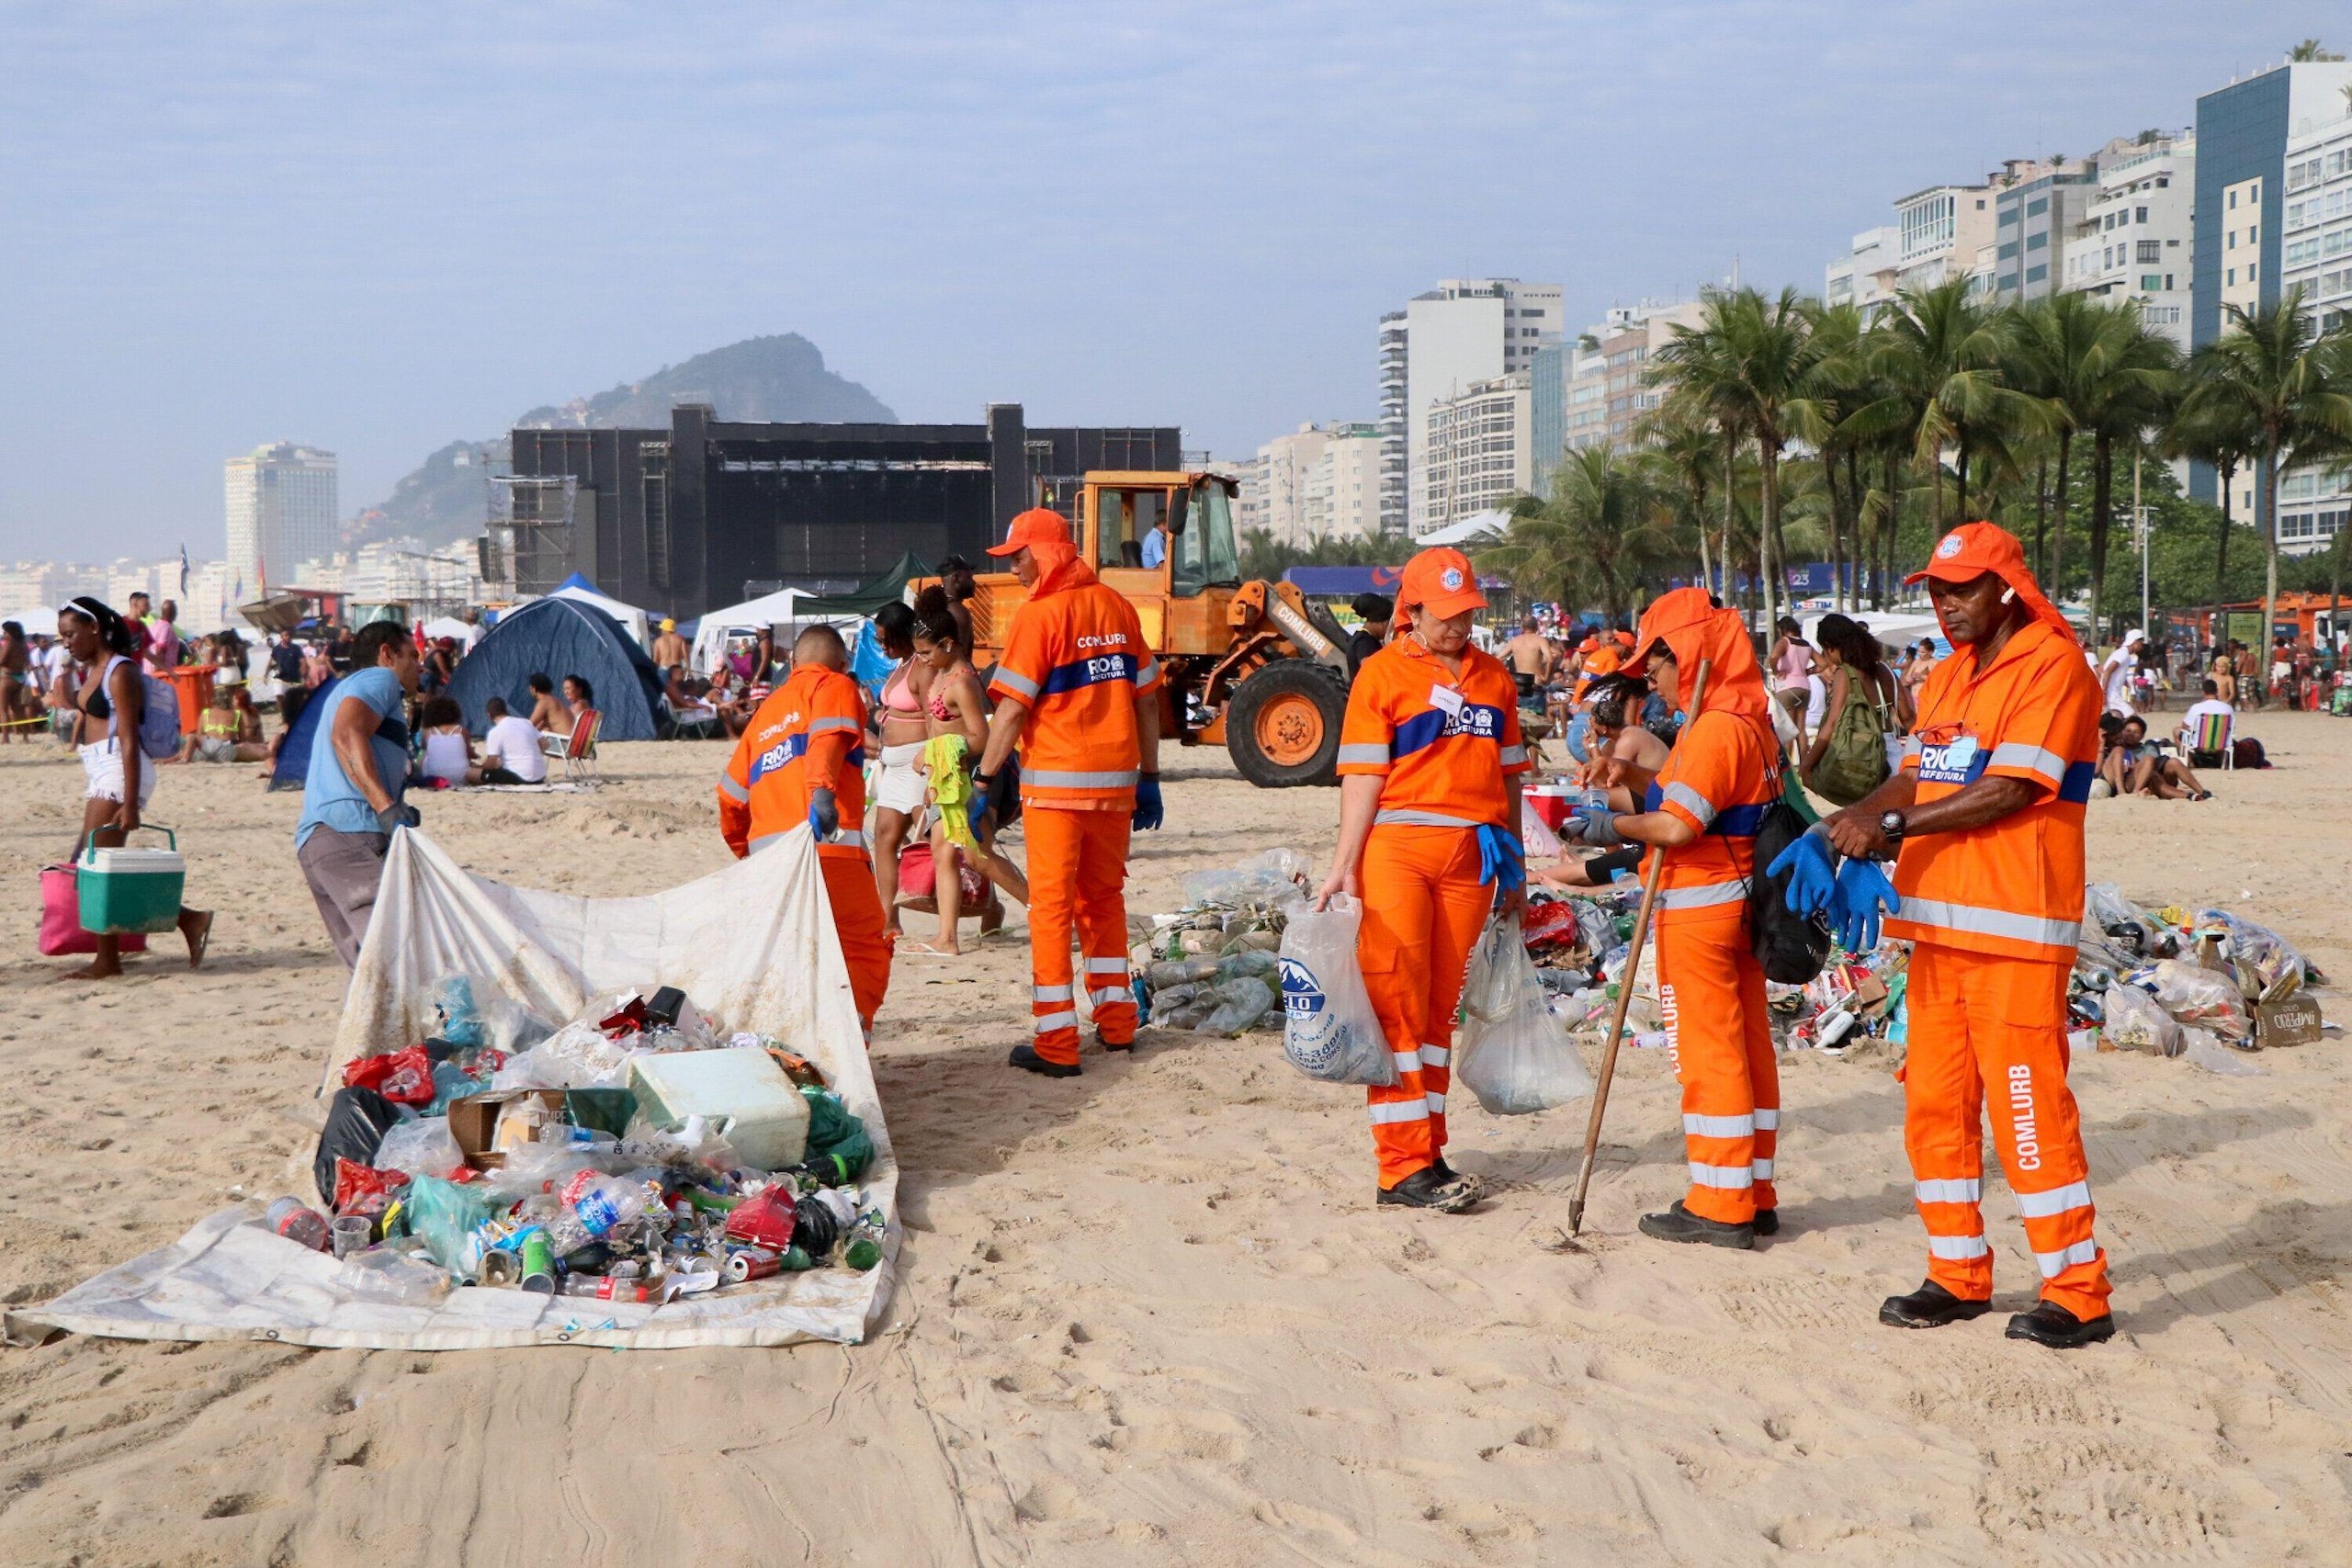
column 350, row 1234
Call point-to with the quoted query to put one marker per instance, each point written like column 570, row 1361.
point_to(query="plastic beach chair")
column 2215, row 732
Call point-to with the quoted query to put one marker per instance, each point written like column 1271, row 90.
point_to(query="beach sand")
column 1150, row 1315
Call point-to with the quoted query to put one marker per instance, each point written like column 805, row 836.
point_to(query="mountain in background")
column 445, row 498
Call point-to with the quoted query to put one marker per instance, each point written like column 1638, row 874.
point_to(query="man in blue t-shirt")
column 351, row 798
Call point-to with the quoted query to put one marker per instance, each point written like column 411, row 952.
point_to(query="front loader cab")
column 1192, row 513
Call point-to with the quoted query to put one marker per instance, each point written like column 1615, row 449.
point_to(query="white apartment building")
column 2136, row 232
column 34, row 585
column 2315, row 504
column 1937, row 231
column 1286, row 467
column 1479, row 449
column 282, row 508
column 1343, row 492
column 1866, row 274
column 1609, row 388
column 430, row 582
column 1459, row 335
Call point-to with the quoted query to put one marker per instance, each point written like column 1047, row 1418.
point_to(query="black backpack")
column 1792, row 948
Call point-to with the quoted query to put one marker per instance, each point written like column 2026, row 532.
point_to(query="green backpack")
column 1854, row 762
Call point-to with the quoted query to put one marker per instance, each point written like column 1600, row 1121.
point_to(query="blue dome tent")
column 556, row 638
column 293, row 767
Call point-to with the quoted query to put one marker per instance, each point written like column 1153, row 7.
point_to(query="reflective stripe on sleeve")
column 1148, row 673
column 2057, row 1200
column 1957, row 1248
column 731, row 790
column 1422, row 819
column 2054, row 1264
column 1690, row 800
column 1015, row 681
column 1768, row 1118
column 1950, row 1190
column 1711, row 893
column 1363, row 754
column 2045, row 764
column 1045, row 779
column 1978, row 922
column 819, row 726
column 1513, row 756
column 1718, row 1126
column 1728, row 1177
column 1387, row 1111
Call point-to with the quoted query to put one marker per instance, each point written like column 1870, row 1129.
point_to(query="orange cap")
column 1441, row 582
column 1039, row 526
column 1973, row 550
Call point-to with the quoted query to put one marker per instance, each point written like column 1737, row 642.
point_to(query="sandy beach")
column 1150, row 1315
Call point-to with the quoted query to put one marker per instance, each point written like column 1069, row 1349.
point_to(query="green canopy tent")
column 887, row 589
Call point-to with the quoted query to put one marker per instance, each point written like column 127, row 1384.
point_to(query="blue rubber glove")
column 1149, row 813
column 392, row 818
column 1811, row 871
column 1863, row 893
column 983, row 799
column 1594, row 825
column 1499, row 860
column 824, row 817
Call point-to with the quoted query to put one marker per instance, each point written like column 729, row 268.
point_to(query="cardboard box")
column 2290, row 1020
column 473, row 1121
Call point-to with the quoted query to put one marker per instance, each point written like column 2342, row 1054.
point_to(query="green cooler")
column 124, row 890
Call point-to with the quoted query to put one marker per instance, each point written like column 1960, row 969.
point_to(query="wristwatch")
column 1891, row 826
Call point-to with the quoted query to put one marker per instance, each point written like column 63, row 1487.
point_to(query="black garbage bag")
column 356, row 1120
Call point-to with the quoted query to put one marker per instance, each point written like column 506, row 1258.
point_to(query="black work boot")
column 1680, row 1224
column 1767, row 1221
column 1426, row 1189
column 2052, row 1325
column 1025, row 1057
column 1929, row 1306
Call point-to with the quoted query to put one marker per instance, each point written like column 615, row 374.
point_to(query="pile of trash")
column 634, row 1154
column 2199, row 982
column 1211, row 967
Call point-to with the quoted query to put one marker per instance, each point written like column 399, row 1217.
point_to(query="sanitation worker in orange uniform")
column 1431, row 768
column 1701, row 814
column 1080, row 692
column 1985, row 825
column 802, row 759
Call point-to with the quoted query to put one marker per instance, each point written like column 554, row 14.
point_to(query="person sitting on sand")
column 548, row 715
column 2134, row 766
column 510, row 752
column 447, row 758
column 1624, row 755
column 230, row 730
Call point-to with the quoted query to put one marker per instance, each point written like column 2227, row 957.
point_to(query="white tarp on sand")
column 751, row 945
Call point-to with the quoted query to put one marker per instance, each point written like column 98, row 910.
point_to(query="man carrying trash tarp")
column 1984, row 823
column 1079, row 691
column 802, row 759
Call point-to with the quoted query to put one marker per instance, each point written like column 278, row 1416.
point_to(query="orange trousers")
column 1710, row 997
column 1423, row 907
column 857, row 921
column 1077, row 876
column 1984, row 1027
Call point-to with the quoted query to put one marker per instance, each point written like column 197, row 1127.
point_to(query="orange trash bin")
column 194, row 684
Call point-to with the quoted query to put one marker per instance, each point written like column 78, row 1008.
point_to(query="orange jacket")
column 1442, row 748
column 2012, row 889
column 1725, row 769
column 1076, row 658
column 809, row 735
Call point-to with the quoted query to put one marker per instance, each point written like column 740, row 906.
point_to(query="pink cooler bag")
column 61, row 918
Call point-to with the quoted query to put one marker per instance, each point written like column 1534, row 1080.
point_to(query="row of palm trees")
column 1783, row 424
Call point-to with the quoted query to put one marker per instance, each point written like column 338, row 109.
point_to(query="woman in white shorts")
column 898, row 791
column 118, row 777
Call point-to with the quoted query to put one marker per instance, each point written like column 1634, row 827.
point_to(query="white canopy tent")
column 752, row 617
column 39, row 621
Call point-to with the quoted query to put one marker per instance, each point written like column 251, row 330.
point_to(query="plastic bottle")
column 605, row 1289
column 864, row 1249
column 298, row 1221
column 595, row 1206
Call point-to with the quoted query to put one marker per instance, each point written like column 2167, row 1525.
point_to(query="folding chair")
column 580, row 756
column 2215, row 736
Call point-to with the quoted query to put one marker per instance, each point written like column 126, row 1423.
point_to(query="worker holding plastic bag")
column 1516, row 1056
column 1701, row 814
column 1329, row 1030
column 1431, row 768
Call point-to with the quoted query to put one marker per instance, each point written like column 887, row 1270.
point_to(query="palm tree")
column 1688, row 454
column 1607, row 527
column 2222, row 437
column 1938, row 354
column 2126, row 388
column 1751, row 365
column 2293, row 386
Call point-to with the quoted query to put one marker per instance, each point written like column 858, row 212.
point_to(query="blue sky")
column 376, row 229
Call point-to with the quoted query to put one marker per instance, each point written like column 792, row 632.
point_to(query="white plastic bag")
column 421, row 1147
column 2134, row 1023
column 1514, row 1054
column 1330, row 1031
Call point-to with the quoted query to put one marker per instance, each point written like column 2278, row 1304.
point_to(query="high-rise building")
column 1609, row 389
column 1548, row 416
column 282, row 509
column 2242, row 135
column 1937, row 230
column 1866, row 274
column 2315, row 256
column 2133, row 238
column 1478, row 450
column 1343, row 492
column 1286, row 467
column 1464, row 332
column 2036, row 210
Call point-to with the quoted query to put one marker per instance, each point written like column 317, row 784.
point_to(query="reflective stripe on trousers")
column 1711, row 998
column 1423, row 910
column 1077, row 863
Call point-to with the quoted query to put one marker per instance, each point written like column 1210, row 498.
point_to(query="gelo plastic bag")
column 1330, row 1031
column 1514, row 1054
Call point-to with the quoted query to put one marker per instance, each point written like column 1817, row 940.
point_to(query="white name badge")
column 1446, row 700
